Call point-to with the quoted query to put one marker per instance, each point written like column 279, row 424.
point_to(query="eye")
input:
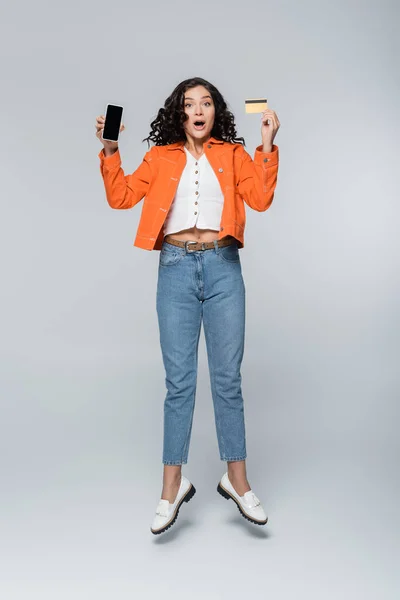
column 188, row 104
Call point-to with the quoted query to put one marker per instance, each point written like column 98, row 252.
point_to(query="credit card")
column 256, row 105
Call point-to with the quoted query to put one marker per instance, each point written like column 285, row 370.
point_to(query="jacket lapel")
column 179, row 145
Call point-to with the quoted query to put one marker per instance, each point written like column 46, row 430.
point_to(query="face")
column 199, row 106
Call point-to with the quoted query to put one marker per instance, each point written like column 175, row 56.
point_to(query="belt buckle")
column 186, row 245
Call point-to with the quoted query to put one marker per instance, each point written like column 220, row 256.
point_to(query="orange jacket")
column 157, row 178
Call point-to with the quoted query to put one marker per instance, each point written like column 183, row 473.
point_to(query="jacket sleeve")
column 257, row 178
column 124, row 191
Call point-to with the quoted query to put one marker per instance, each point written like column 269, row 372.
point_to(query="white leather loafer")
column 248, row 504
column 166, row 513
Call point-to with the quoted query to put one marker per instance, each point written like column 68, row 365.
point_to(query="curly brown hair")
column 167, row 127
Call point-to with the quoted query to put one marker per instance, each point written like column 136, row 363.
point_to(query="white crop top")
column 198, row 200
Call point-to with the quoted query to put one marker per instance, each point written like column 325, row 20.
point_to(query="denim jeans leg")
column 179, row 316
column 224, row 330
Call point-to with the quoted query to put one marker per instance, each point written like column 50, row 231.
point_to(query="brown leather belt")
column 198, row 245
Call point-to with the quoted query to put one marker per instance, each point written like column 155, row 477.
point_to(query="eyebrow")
column 189, row 98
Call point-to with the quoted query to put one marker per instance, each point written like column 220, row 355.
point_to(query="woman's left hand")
column 269, row 126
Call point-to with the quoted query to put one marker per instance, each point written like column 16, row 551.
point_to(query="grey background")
column 82, row 381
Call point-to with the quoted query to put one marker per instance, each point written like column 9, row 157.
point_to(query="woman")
column 195, row 180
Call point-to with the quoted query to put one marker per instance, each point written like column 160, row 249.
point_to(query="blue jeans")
column 193, row 286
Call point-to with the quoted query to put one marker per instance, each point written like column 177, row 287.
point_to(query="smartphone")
column 112, row 122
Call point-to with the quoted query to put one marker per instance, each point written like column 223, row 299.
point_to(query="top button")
column 209, row 146
column 266, row 159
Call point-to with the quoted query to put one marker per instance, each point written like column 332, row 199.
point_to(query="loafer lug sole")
column 225, row 494
column 186, row 498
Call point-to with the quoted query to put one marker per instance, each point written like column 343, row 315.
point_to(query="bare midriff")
column 196, row 235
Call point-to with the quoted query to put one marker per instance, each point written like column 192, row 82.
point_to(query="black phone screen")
column 112, row 123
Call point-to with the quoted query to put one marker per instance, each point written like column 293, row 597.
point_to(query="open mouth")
column 199, row 125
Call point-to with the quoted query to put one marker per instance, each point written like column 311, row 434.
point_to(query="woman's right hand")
column 99, row 128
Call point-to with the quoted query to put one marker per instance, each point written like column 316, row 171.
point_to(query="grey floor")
column 82, row 476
